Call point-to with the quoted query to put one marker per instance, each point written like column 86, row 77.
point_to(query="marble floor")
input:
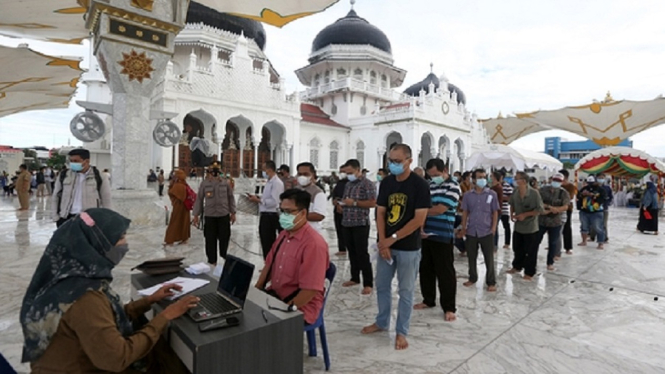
column 598, row 312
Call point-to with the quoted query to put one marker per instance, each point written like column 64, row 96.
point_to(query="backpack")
column 63, row 175
column 190, row 199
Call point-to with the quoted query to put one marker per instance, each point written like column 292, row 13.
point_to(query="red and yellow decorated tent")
column 621, row 162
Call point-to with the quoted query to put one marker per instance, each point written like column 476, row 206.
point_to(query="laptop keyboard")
column 216, row 304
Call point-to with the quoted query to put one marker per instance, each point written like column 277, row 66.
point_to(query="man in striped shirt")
column 437, row 263
column 505, row 211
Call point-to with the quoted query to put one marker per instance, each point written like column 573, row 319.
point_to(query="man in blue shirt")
column 437, row 262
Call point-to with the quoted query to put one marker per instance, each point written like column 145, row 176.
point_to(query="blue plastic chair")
column 311, row 329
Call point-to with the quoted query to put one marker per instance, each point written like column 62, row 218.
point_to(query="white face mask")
column 342, row 175
column 304, row 181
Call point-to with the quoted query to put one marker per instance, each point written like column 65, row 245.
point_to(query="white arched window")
column 326, row 77
column 314, row 146
column 372, row 77
column 358, row 74
column 334, row 155
column 360, row 152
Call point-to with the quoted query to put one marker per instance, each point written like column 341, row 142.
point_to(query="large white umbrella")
column 502, row 156
column 507, row 130
column 274, row 12
column 52, row 20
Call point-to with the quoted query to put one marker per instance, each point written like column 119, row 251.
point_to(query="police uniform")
column 216, row 203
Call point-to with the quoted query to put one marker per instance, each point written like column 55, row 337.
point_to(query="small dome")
column 414, row 90
column 352, row 30
column 198, row 13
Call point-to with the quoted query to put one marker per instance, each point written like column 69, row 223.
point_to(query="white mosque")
column 224, row 89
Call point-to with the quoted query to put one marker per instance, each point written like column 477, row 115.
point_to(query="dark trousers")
column 438, row 265
column 357, row 241
column 486, row 245
column 339, row 229
column 217, row 229
column 161, row 190
column 553, row 237
column 62, row 221
column 525, row 247
column 505, row 221
column 568, row 231
column 459, row 242
column 268, row 229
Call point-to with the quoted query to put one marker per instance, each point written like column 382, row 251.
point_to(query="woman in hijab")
column 649, row 210
column 179, row 225
column 73, row 322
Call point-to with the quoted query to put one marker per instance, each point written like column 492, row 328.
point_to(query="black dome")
column 198, row 13
column 352, row 30
column 414, row 90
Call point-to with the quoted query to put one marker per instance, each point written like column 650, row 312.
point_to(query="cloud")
column 509, row 56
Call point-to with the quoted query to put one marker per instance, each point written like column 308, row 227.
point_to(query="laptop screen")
column 235, row 280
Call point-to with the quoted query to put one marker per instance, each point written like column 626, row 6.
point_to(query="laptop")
column 231, row 292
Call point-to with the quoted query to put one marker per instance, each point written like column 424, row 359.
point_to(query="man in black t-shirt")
column 402, row 206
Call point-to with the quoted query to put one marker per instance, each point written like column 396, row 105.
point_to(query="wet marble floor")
column 598, row 312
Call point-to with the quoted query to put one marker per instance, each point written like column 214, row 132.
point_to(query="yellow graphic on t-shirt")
column 396, row 208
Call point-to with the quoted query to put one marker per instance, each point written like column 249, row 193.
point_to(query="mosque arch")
column 360, row 152
column 238, row 147
column 391, row 139
column 314, row 148
column 334, row 155
column 426, row 145
column 202, row 124
column 461, row 155
column 444, row 149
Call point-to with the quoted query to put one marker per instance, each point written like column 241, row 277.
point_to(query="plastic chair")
column 311, row 329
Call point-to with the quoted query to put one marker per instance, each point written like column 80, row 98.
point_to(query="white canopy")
column 276, row 13
column 507, row 130
column 503, row 156
column 53, row 20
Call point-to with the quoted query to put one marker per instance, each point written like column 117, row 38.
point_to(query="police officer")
column 215, row 202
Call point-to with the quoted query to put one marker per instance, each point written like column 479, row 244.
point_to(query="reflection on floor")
column 598, row 312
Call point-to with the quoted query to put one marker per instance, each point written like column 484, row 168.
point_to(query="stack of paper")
column 188, row 285
column 197, row 269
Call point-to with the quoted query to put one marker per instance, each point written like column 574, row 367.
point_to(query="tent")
column 621, row 162
column 502, row 156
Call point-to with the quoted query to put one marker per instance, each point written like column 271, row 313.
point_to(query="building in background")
column 573, row 151
column 10, row 158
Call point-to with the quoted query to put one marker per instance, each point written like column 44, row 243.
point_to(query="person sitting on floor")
column 73, row 322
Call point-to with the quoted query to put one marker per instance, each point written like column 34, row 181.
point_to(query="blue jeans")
column 595, row 221
column 553, row 241
column 406, row 263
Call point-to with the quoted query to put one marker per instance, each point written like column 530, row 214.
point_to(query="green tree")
column 31, row 159
column 568, row 165
column 56, row 161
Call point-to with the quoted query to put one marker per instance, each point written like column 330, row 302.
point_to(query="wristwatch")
column 355, row 202
column 394, row 236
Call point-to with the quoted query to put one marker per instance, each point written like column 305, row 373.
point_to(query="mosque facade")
column 224, row 89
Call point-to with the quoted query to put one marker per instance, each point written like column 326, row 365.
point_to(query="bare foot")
column 527, row 278
column 401, row 343
column 366, row 290
column 421, row 306
column 491, row 288
column 349, row 284
column 462, row 254
column 371, row 329
column 340, row 253
column 557, row 258
column 506, row 246
column 550, row 267
column 183, row 242
column 569, row 252
column 468, row 284
column 513, row 271
column 600, row 246
column 450, row 317
column 583, row 244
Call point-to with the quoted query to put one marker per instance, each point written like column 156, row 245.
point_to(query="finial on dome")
column 353, row 2
column 431, row 67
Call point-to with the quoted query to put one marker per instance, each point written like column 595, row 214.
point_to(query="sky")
column 507, row 56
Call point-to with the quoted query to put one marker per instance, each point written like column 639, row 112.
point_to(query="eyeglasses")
column 289, row 211
column 395, row 161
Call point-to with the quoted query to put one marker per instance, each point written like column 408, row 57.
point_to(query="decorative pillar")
column 192, row 66
column 256, row 159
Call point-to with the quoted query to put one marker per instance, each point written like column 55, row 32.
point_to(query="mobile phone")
column 218, row 323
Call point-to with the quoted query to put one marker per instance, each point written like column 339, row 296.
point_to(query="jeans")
column 356, row 239
column 525, row 247
column 485, row 244
column 553, row 238
column 406, row 264
column 438, row 265
column 595, row 221
column 592, row 231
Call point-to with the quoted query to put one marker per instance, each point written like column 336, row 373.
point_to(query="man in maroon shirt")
column 297, row 262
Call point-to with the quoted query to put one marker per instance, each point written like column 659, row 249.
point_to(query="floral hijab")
column 73, row 263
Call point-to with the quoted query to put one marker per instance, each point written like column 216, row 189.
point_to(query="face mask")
column 287, row 221
column 264, row 174
column 396, row 169
column 228, row 175
column 455, row 179
column 437, row 180
column 342, row 175
column 76, row 166
column 215, row 174
column 304, row 181
column 556, row 184
column 351, row 177
column 601, row 181
column 379, row 178
column 515, row 184
column 481, row 183
column 115, row 254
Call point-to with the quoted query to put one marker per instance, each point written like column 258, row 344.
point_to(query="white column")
column 256, row 159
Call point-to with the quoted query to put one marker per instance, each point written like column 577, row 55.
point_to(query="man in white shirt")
column 317, row 207
column 268, row 205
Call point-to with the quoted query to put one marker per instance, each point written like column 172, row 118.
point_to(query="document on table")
column 188, row 285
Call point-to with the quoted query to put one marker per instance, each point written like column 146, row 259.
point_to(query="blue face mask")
column 76, row 166
column 351, row 177
column 437, row 180
column 601, row 181
column 455, row 179
column 287, row 221
column 482, row 183
column 396, row 169
column 556, row 184
column 379, row 178
column 264, row 174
